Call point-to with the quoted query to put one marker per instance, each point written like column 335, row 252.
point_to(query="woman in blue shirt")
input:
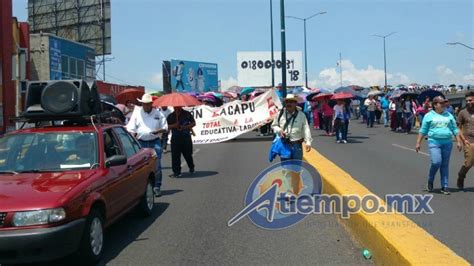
column 440, row 127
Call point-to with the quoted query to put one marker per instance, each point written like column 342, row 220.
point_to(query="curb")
column 392, row 238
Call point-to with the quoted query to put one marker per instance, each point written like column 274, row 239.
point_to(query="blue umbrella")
column 247, row 90
column 428, row 94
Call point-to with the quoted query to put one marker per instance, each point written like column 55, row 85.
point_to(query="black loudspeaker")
column 60, row 99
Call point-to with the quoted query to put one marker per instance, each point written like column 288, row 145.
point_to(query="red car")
column 60, row 186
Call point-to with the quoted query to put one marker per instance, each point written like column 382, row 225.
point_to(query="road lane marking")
column 392, row 238
column 194, row 153
column 409, row 149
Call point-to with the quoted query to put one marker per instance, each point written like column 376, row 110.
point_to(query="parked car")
column 61, row 186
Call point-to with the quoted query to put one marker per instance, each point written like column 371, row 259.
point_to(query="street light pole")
column 384, row 56
column 305, row 47
column 459, row 43
column 385, row 64
column 283, row 49
column 271, row 37
column 340, row 66
column 305, row 56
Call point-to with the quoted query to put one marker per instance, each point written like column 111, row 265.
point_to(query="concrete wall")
column 39, row 52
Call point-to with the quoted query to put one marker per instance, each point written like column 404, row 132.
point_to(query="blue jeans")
column 370, row 118
column 440, row 154
column 386, row 116
column 341, row 133
column 408, row 121
column 156, row 145
column 346, row 129
column 296, row 152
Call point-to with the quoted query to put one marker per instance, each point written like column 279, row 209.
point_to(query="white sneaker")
column 338, row 141
column 344, row 141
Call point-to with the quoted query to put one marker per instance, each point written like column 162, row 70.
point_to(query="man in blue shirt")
column 385, row 103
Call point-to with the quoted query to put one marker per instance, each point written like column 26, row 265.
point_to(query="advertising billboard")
column 254, row 69
column 70, row 60
column 189, row 76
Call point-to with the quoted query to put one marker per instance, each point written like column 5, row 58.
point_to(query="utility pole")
column 271, row 37
column 283, row 49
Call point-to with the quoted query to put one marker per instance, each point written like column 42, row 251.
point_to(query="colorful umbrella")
column 322, row 96
column 129, row 95
column 176, row 100
column 247, row 90
column 342, row 96
column 228, row 94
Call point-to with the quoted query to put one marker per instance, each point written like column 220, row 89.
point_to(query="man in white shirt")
column 292, row 126
column 146, row 123
column 371, row 105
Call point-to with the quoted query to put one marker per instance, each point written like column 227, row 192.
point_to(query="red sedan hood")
column 30, row 191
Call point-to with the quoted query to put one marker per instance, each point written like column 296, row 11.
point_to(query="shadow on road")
column 357, row 137
column 199, row 174
column 170, row 192
column 118, row 236
column 127, row 230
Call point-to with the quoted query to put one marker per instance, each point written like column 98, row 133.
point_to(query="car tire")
column 147, row 202
column 92, row 244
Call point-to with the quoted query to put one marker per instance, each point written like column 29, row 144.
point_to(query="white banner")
column 254, row 69
column 219, row 124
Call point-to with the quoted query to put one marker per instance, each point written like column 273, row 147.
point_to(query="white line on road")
column 194, row 153
column 408, row 149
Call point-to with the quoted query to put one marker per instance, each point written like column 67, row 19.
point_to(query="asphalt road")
column 190, row 223
column 385, row 162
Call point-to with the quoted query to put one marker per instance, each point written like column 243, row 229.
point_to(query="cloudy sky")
column 146, row 32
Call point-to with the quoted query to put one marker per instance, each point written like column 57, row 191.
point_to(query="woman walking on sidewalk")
column 440, row 127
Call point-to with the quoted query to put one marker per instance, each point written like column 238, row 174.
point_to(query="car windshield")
column 37, row 152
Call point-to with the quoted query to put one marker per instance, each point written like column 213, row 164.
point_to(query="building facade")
column 55, row 58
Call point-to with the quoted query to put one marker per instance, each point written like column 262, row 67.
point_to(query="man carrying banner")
column 292, row 126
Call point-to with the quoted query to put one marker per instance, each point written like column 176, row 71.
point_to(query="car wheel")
column 92, row 244
column 147, row 203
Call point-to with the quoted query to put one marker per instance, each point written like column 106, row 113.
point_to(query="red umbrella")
column 342, row 96
column 322, row 96
column 129, row 94
column 176, row 100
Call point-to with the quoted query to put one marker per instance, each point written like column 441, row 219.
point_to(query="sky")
column 146, row 32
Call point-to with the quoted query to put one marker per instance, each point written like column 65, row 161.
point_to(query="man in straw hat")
column 292, row 126
column 147, row 123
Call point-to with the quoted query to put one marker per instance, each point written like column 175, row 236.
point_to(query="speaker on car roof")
column 58, row 99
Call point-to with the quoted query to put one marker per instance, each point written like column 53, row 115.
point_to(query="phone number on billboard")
column 260, row 64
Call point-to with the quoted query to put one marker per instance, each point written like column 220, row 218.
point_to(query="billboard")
column 254, row 69
column 70, row 60
column 189, row 76
column 85, row 21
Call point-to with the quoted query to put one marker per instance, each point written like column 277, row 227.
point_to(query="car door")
column 136, row 162
column 115, row 186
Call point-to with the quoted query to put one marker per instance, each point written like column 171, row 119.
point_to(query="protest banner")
column 219, row 124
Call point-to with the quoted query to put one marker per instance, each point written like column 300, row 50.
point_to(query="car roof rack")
column 106, row 117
